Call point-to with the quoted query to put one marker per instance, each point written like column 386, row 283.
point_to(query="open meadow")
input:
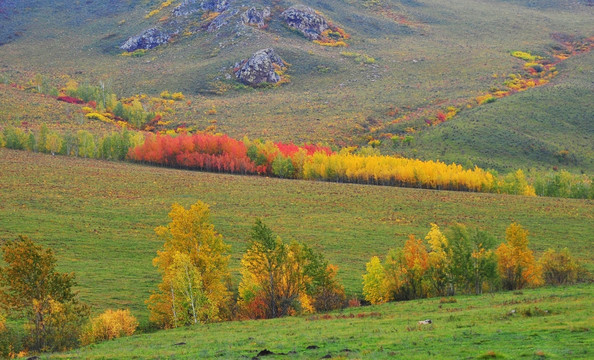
column 547, row 323
column 99, row 218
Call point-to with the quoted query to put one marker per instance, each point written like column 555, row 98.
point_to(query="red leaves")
column 199, row 151
column 291, row 149
column 70, row 100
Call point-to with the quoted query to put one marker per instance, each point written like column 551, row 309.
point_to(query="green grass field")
column 99, row 218
column 547, row 323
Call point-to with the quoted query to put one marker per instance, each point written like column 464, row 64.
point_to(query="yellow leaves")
column 485, row 99
column 389, row 170
column 306, row 303
column 526, row 56
column 516, row 264
column 162, row 6
column 178, row 96
column 98, row 116
column 374, row 282
column 2, row 322
column 194, row 266
column 109, row 325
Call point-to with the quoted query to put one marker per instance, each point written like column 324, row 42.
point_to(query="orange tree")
column 516, row 263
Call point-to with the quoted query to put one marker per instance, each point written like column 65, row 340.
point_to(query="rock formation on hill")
column 260, row 68
column 305, row 20
column 147, row 39
column 256, row 17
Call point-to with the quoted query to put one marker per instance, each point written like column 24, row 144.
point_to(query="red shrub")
column 70, row 100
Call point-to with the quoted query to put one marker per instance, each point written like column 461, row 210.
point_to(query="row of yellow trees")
column 464, row 261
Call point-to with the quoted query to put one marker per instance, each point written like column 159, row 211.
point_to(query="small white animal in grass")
column 425, row 322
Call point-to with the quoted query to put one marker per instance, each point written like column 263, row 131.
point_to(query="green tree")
column 281, row 279
column 30, row 285
column 473, row 262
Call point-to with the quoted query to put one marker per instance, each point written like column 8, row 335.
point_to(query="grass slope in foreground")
column 542, row 323
column 99, row 218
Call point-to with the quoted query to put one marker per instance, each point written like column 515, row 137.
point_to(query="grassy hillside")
column 533, row 127
column 551, row 323
column 99, row 218
column 428, row 54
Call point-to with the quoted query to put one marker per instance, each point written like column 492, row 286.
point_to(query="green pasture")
column 99, row 217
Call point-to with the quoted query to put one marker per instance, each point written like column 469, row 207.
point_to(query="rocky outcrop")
column 186, row 8
column 260, row 68
column 221, row 20
column 215, row 5
column 305, row 20
column 148, row 39
column 255, row 17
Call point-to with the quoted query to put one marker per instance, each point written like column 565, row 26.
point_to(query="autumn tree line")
column 221, row 153
column 278, row 278
column 465, row 261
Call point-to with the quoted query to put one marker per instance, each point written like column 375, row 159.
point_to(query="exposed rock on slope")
column 255, row 17
column 222, row 20
column 148, row 39
column 262, row 67
column 306, row 20
column 186, row 8
column 215, row 5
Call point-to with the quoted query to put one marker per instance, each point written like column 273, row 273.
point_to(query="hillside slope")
column 427, row 54
column 544, row 323
column 85, row 209
column 548, row 126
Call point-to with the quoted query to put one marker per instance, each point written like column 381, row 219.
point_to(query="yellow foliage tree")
column 374, row 282
column 440, row 275
column 516, row 264
column 559, row 268
column 2, row 322
column 194, row 266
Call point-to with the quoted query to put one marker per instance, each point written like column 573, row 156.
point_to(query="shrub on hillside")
column 109, row 325
column 559, row 268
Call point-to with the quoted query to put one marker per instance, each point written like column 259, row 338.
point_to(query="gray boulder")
column 259, row 68
column 255, row 17
column 147, row 39
column 186, row 8
column 215, row 5
column 305, row 20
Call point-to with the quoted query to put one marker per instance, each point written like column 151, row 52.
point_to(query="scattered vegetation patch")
column 357, row 57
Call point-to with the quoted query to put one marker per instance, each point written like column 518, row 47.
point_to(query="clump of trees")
column 278, row 279
column 55, row 318
column 113, row 146
column 30, row 287
column 220, row 153
column 463, row 260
